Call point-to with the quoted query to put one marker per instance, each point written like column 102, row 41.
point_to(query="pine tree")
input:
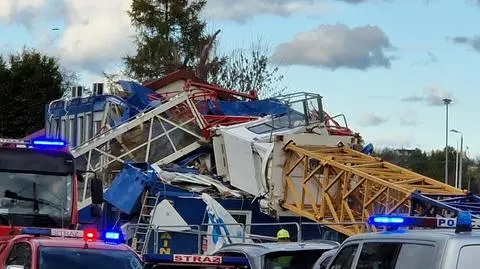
column 170, row 36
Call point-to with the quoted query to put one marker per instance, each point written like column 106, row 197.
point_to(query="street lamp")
column 446, row 101
column 461, row 157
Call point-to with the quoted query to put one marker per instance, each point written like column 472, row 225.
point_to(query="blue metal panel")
column 128, row 186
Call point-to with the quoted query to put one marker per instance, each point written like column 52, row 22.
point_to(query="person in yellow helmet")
column 283, row 236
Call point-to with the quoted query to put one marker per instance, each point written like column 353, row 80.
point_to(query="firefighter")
column 283, row 236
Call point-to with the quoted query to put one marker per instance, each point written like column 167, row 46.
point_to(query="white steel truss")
column 159, row 136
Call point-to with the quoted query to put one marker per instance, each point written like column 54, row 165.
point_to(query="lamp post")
column 456, row 166
column 461, row 157
column 446, row 101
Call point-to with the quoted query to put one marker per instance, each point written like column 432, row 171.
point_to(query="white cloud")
column 11, row 10
column 336, row 46
column 432, row 96
column 372, row 119
column 242, row 10
column 96, row 33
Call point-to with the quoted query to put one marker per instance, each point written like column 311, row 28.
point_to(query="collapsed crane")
column 335, row 185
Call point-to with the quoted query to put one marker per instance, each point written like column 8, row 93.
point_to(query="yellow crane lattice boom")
column 336, row 185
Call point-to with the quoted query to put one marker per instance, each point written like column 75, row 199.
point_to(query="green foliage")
column 28, row 81
column 246, row 70
column 432, row 164
column 170, row 36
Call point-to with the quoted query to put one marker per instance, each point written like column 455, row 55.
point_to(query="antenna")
column 12, row 228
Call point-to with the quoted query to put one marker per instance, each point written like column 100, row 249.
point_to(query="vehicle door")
column 385, row 255
column 345, row 257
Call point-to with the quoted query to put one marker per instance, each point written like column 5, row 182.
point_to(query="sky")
column 385, row 64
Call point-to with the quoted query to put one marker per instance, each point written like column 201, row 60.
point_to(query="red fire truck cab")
column 43, row 248
column 38, row 185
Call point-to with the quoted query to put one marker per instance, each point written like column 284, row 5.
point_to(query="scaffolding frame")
column 158, row 136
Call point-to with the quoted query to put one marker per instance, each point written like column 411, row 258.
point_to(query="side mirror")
column 96, row 190
column 15, row 267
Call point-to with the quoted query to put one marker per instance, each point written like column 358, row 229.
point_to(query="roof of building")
column 170, row 78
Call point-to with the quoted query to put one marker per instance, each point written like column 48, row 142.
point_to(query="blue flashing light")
column 388, row 220
column 464, row 222
column 35, row 231
column 401, row 221
column 113, row 237
column 53, row 143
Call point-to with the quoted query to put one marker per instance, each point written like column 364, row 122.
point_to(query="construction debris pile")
column 199, row 136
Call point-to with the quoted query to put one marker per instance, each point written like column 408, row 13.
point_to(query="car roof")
column 424, row 235
column 260, row 249
column 74, row 243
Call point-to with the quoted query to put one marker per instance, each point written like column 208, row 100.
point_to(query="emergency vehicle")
column 38, row 185
column 43, row 248
column 179, row 261
column 451, row 244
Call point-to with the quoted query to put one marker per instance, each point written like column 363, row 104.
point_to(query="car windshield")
column 292, row 259
column 79, row 258
column 26, row 197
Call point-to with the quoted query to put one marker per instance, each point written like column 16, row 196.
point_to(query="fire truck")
column 38, row 187
column 50, row 248
column 184, row 261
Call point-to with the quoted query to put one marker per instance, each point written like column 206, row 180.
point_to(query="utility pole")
column 446, row 101
column 456, row 168
column 461, row 162
column 459, row 159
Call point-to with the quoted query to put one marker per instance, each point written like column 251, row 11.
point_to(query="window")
column 469, row 257
column 63, row 129
column 56, row 130
column 71, row 130
column 244, row 217
column 88, row 124
column 299, row 259
column 345, row 258
column 415, row 256
column 79, row 258
column 21, row 254
column 395, row 256
column 98, row 127
column 80, row 130
column 324, row 264
column 278, row 124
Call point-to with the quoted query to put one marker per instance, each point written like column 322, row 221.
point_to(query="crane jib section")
column 342, row 187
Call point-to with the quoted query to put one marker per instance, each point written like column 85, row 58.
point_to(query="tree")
column 245, row 70
column 170, row 36
column 432, row 165
column 28, row 81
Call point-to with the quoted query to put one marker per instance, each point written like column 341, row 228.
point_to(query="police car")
column 452, row 244
column 43, row 248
